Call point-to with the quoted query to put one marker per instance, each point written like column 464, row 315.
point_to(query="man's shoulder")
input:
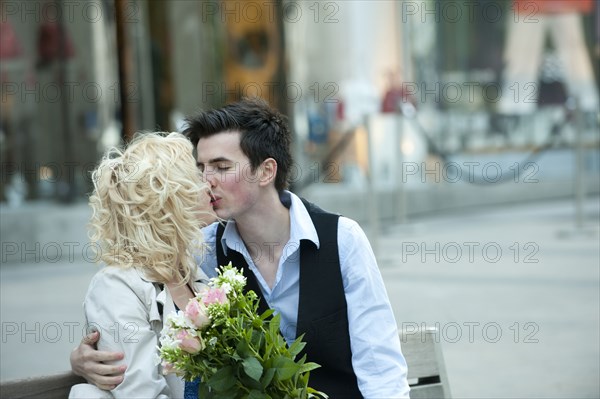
column 345, row 223
column 315, row 209
column 350, row 233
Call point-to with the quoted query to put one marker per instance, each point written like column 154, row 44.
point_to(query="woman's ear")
column 268, row 171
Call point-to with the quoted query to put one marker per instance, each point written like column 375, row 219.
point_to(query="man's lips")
column 214, row 200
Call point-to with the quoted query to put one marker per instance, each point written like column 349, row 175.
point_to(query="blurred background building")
column 393, row 96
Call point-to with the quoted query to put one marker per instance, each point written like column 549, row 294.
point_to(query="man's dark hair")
column 264, row 133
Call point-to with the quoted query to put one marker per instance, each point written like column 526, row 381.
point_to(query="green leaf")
column 266, row 314
column 296, row 347
column 286, row 368
column 299, row 393
column 253, row 368
column 267, row 377
column 313, row 393
column 222, row 380
column 268, row 349
column 309, row 367
column 274, row 324
column 248, row 382
column 254, row 394
column 203, row 392
column 243, row 349
column 257, row 323
column 232, row 393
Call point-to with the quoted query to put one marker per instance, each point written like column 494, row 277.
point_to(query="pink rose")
column 167, row 368
column 196, row 313
column 189, row 343
column 215, row 295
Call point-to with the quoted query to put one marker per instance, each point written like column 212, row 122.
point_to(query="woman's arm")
column 89, row 363
column 118, row 305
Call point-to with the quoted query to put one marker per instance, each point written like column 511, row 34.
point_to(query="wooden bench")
column 426, row 370
column 426, row 373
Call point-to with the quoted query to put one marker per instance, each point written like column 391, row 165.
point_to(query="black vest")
column 322, row 308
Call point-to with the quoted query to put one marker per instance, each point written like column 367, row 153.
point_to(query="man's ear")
column 268, row 171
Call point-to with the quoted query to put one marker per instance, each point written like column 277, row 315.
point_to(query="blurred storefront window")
column 57, row 96
column 78, row 77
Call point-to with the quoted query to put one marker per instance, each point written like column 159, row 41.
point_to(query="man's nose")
column 210, row 177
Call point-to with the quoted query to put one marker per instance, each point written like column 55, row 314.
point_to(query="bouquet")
column 236, row 353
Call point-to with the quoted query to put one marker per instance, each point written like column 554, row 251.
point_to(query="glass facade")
column 80, row 76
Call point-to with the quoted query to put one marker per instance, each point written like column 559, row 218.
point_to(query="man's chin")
column 221, row 214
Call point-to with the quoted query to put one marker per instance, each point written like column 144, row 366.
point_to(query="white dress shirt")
column 377, row 359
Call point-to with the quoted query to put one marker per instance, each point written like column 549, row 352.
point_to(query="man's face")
column 234, row 187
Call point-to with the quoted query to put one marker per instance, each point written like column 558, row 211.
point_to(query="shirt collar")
column 302, row 227
column 231, row 238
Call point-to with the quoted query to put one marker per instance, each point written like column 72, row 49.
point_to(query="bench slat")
column 47, row 387
column 419, row 352
column 428, row 391
column 425, row 363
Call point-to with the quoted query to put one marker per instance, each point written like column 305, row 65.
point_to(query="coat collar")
column 162, row 296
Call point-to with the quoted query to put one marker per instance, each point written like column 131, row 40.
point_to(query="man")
column 316, row 269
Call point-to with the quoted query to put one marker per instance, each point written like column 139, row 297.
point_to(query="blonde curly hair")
column 147, row 207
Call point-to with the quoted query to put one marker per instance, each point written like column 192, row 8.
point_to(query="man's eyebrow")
column 213, row 160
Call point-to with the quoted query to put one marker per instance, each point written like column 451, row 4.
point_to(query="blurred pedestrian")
column 532, row 23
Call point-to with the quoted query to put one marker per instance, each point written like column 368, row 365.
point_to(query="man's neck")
column 268, row 222
column 265, row 231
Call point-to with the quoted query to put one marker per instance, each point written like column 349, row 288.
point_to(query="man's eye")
column 222, row 168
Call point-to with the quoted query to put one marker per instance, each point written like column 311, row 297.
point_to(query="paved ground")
column 513, row 290
column 518, row 319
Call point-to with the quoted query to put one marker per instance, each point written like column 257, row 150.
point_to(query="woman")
column 148, row 204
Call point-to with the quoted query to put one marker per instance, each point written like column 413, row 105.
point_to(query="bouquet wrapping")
column 236, row 353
